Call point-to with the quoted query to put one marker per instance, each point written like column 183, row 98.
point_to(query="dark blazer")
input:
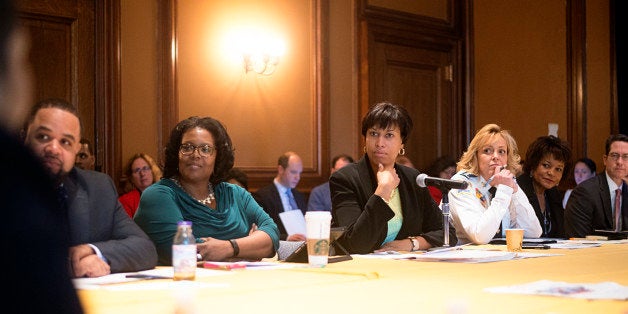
column 365, row 215
column 34, row 236
column 554, row 203
column 589, row 208
column 97, row 217
column 268, row 197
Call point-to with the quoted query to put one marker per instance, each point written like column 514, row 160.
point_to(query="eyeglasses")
column 203, row 150
column 616, row 156
column 139, row 170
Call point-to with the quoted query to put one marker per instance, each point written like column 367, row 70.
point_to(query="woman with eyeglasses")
column 226, row 220
column 547, row 160
column 140, row 172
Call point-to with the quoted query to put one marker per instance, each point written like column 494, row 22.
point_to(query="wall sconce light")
column 261, row 63
column 261, row 53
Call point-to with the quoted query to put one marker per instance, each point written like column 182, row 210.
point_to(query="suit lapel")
column 606, row 199
column 78, row 211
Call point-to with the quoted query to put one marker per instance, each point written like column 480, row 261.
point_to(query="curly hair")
column 386, row 114
column 469, row 159
column 222, row 143
column 125, row 181
column 547, row 145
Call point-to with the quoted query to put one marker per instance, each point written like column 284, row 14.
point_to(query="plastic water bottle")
column 184, row 252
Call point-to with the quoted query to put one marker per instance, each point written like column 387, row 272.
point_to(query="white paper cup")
column 317, row 225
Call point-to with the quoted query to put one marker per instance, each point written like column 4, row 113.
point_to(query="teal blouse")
column 164, row 203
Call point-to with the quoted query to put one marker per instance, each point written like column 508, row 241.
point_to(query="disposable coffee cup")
column 514, row 239
column 317, row 227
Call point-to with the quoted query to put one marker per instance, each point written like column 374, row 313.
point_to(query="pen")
column 439, row 249
column 536, row 246
column 221, row 266
column 145, row 276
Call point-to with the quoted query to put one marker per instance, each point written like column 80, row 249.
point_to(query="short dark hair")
column 341, row 156
column 52, row 103
column 222, row 143
column 589, row 162
column 386, row 114
column 614, row 138
column 547, row 145
column 440, row 164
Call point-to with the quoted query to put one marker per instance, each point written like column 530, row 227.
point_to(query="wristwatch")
column 415, row 244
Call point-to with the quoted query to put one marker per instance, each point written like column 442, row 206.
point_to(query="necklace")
column 206, row 201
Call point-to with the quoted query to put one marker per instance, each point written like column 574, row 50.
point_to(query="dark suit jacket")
column 554, row 203
column 589, row 207
column 34, row 237
column 365, row 215
column 97, row 217
column 268, row 197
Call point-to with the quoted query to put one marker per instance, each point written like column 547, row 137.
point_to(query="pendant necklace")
column 207, row 201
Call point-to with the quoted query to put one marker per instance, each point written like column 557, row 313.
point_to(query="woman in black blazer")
column 378, row 200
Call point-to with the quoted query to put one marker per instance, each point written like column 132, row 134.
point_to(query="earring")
column 402, row 151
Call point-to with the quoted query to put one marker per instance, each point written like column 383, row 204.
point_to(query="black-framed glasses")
column 203, row 150
column 139, row 170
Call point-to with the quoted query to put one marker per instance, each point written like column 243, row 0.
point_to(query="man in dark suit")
column 275, row 198
column 592, row 203
column 34, row 243
column 103, row 237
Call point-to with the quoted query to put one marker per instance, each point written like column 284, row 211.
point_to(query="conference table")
column 370, row 285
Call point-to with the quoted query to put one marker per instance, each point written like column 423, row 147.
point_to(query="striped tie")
column 293, row 203
column 617, row 210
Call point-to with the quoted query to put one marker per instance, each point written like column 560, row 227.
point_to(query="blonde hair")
column 125, row 182
column 469, row 160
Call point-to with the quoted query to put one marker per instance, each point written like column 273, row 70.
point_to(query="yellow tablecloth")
column 382, row 286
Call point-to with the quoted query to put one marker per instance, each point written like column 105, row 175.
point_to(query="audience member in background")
column 490, row 162
column 404, row 160
column 320, row 197
column 104, row 239
column 377, row 200
column 583, row 170
column 547, row 159
column 199, row 155
column 140, row 172
column 237, row 176
column 602, row 201
column 282, row 195
column 443, row 167
column 85, row 157
column 34, row 235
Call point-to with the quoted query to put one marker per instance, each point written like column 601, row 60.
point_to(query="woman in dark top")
column 547, row 160
column 378, row 200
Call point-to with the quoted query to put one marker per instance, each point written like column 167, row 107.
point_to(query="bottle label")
column 184, row 261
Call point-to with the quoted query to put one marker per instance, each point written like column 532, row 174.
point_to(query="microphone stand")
column 445, row 210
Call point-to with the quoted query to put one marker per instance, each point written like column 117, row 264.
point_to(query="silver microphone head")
column 420, row 180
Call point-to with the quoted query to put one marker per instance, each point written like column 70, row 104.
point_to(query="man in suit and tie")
column 103, row 238
column 601, row 202
column 282, row 195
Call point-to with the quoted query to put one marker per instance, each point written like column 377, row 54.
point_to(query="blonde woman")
column 491, row 161
column 140, row 172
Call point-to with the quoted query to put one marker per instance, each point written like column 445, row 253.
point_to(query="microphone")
column 423, row 180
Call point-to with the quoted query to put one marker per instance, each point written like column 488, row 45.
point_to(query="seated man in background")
column 34, row 240
column 320, row 197
column 103, row 237
column 85, row 157
column 600, row 202
column 282, row 195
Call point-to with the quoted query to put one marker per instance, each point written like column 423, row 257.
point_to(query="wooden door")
column 74, row 54
column 417, row 63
